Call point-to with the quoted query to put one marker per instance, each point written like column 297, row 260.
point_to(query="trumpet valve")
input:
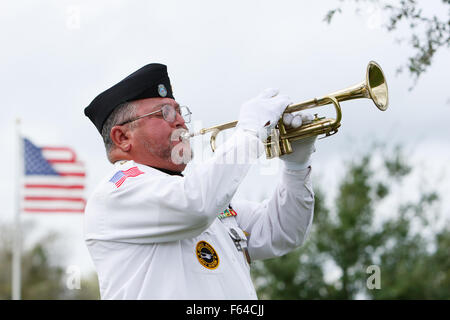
column 287, row 147
column 272, row 144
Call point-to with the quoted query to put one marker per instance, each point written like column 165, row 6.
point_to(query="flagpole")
column 17, row 236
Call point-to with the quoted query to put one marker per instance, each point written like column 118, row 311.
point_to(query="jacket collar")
column 170, row 172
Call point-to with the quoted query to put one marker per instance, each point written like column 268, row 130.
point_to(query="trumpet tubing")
column 373, row 87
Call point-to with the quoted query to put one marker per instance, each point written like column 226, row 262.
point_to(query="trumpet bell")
column 377, row 86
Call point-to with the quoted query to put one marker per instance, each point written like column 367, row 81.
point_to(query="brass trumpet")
column 374, row 87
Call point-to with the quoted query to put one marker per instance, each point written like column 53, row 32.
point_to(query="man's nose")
column 179, row 121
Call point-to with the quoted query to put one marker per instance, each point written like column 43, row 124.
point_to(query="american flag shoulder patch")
column 120, row 176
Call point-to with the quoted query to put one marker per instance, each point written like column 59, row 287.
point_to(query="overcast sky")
column 58, row 55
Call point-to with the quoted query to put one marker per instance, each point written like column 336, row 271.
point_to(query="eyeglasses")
column 169, row 113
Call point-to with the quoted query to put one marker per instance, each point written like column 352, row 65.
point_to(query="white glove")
column 262, row 113
column 300, row 158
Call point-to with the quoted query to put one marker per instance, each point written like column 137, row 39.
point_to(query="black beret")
column 149, row 81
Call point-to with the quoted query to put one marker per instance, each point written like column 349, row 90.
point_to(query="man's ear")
column 121, row 138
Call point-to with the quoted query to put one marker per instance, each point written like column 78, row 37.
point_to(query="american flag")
column 121, row 175
column 54, row 180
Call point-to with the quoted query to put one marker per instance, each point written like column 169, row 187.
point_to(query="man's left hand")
column 300, row 158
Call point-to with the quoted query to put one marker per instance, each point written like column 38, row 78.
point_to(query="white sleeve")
column 281, row 223
column 153, row 208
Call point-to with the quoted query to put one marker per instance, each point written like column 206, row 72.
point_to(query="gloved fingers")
column 296, row 120
column 269, row 93
column 263, row 111
column 281, row 99
column 306, row 117
column 287, row 119
column 279, row 104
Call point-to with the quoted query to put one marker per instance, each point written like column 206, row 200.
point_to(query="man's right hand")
column 262, row 113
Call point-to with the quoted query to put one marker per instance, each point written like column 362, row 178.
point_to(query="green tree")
column 346, row 239
column 412, row 265
column 43, row 277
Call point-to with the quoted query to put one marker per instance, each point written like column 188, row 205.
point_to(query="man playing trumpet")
column 154, row 233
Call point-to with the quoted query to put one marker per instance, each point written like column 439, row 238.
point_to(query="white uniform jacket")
column 152, row 235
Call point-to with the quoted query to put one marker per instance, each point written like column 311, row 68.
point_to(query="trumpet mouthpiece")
column 187, row 135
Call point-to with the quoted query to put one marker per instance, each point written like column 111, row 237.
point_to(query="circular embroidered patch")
column 162, row 90
column 206, row 255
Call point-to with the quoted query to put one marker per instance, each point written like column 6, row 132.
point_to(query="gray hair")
column 120, row 114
